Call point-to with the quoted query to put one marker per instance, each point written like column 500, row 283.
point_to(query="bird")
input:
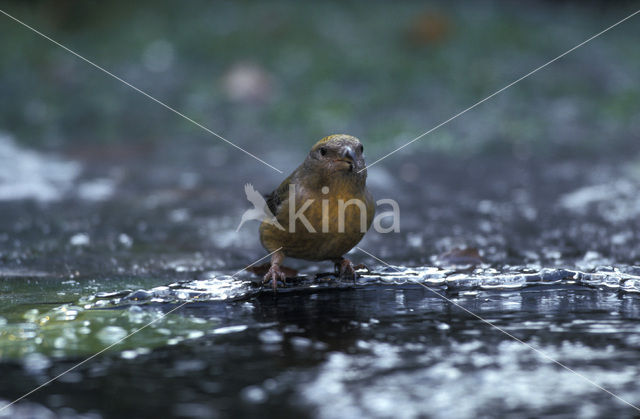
column 260, row 210
column 324, row 207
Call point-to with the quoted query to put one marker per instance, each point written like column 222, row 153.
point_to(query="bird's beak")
column 347, row 159
column 347, row 153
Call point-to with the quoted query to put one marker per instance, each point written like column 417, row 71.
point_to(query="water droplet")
column 80, row 239
column 111, row 334
column 254, row 394
column 270, row 336
column 230, row 329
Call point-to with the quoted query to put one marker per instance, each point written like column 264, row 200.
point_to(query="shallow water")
column 339, row 352
column 90, row 264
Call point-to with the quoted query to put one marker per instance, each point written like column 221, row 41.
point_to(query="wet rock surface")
column 550, row 259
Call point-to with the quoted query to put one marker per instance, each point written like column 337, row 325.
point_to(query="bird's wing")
column 278, row 195
column 273, row 202
column 254, row 196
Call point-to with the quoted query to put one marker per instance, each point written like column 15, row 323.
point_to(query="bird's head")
column 338, row 155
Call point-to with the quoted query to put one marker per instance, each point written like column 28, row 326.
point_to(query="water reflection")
column 375, row 345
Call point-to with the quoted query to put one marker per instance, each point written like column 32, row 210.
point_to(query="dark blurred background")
column 280, row 73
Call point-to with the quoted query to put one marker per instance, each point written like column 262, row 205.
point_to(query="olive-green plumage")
column 331, row 181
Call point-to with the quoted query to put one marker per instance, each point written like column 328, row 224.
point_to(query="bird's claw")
column 346, row 270
column 273, row 275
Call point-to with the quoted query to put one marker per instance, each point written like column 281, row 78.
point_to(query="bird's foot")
column 345, row 270
column 275, row 273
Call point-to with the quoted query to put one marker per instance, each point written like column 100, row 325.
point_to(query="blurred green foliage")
column 383, row 72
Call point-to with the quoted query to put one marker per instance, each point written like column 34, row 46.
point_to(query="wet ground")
column 116, row 214
column 114, row 243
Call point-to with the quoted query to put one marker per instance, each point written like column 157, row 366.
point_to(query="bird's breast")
column 319, row 226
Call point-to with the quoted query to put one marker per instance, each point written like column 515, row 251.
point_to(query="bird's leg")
column 275, row 272
column 344, row 269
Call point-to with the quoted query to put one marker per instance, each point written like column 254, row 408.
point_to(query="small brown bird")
column 324, row 207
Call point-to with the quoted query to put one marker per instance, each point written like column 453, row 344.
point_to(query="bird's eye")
column 360, row 148
column 323, row 151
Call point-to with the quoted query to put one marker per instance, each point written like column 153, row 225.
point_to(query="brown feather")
column 309, row 178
